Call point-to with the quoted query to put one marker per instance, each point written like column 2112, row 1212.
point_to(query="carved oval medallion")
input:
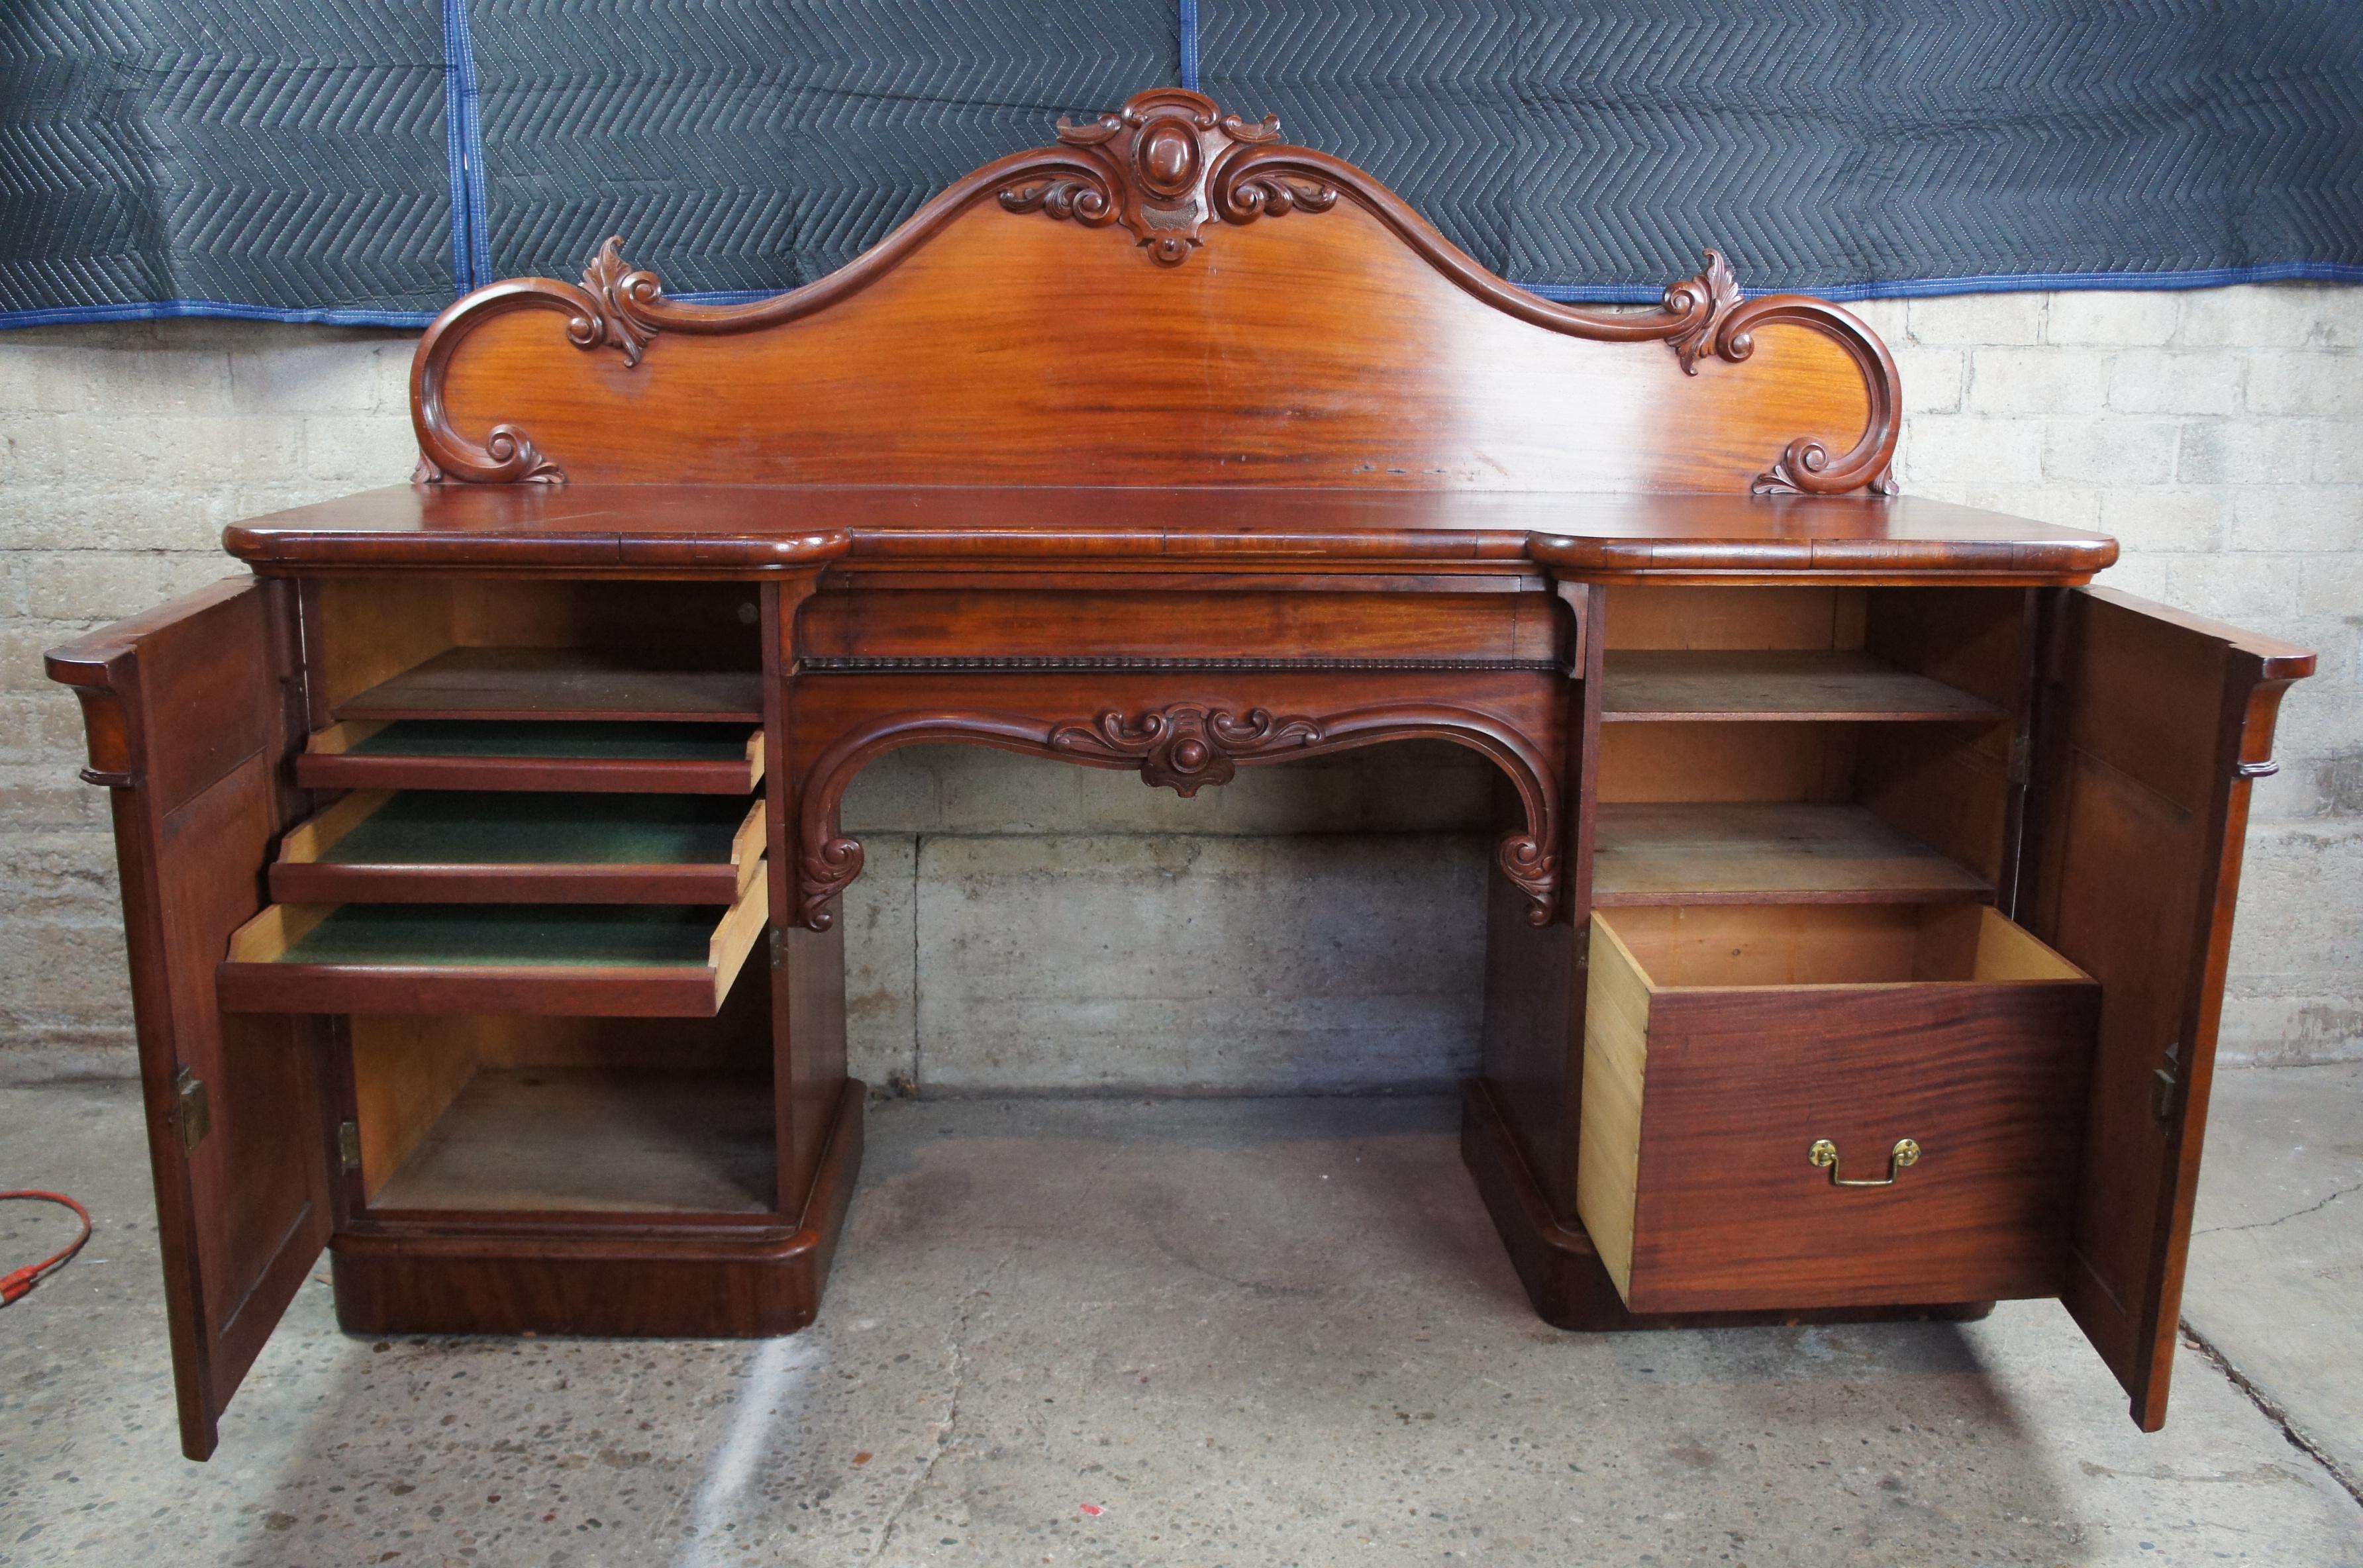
column 1169, row 159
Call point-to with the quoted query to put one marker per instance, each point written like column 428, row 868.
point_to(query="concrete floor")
column 1245, row 1332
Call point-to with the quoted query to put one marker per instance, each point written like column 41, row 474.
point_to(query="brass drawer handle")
column 1825, row 1157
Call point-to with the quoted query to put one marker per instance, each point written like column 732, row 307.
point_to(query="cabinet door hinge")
column 2165, row 1083
column 778, row 947
column 2021, row 759
column 348, row 1146
column 193, row 1111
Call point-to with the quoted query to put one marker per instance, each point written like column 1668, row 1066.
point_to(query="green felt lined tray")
column 435, row 827
column 552, row 960
column 643, row 741
column 469, row 935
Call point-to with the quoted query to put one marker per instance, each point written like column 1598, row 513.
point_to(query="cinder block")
column 2155, row 517
column 35, row 727
column 1888, row 319
column 2138, row 573
column 2272, row 315
column 64, row 972
column 2315, row 384
column 879, row 914
column 39, row 374
column 93, row 585
column 1933, row 378
column 2331, row 584
column 143, row 375
column 2164, row 380
column 1198, row 964
column 43, row 796
column 1968, row 450
column 314, row 370
column 2257, row 590
column 2115, row 452
column 2069, row 507
column 2132, row 316
column 359, row 451
column 1973, row 319
column 2017, row 381
column 2296, row 992
column 2248, row 451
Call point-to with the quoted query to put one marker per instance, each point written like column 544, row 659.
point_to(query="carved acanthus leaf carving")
column 1702, row 302
column 1188, row 745
column 1157, row 167
column 609, row 280
column 1184, row 746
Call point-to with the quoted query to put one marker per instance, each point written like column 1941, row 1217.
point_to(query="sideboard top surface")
column 738, row 530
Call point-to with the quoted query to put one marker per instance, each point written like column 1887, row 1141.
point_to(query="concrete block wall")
column 1025, row 926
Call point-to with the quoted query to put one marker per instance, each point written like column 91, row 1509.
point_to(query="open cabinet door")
column 191, row 710
column 2151, row 724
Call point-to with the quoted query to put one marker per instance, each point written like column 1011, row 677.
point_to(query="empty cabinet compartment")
column 1800, row 1106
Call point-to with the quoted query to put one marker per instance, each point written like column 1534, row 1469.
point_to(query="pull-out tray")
column 551, row 754
column 575, row 683
column 553, row 960
column 432, row 847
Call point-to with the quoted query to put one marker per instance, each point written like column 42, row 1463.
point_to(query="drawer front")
column 957, row 628
column 1704, row 1109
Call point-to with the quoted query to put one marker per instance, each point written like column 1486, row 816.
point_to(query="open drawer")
column 428, row 846
column 1830, row 1105
column 556, row 960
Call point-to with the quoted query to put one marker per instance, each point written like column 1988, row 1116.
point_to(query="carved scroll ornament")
column 1165, row 167
column 1183, row 746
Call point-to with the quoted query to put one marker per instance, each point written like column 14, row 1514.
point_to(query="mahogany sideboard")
column 1857, row 927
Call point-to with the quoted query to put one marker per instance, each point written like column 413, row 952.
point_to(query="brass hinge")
column 348, row 1145
column 778, row 947
column 2164, row 1083
column 192, row 1110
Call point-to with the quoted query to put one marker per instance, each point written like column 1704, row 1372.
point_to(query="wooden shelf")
column 468, row 846
column 548, row 754
column 1691, row 684
column 594, row 1141
column 615, row 684
column 555, row 960
column 1648, row 854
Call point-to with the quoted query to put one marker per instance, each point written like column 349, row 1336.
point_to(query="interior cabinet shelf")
column 1715, row 684
column 466, row 846
column 623, row 684
column 588, row 1140
column 543, row 755
column 1651, row 854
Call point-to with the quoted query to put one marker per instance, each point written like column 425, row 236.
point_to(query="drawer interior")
column 1691, row 946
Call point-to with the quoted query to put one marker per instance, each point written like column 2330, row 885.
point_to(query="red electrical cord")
column 14, row 1285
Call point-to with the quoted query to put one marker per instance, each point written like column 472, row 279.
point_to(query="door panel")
column 193, row 712
column 2148, row 720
